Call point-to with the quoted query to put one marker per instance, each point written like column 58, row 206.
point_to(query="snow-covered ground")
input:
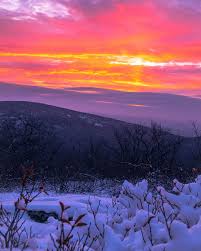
column 136, row 220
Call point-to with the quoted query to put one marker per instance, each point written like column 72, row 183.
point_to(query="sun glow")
column 109, row 71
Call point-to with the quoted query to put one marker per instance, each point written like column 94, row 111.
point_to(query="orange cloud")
column 123, row 45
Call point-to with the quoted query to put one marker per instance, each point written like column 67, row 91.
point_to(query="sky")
column 119, row 45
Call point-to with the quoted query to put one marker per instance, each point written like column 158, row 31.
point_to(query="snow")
column 83, row 117
column 98, row 125
column 135, row 220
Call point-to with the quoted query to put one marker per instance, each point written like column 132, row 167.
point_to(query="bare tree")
column 196, row 149
column 141, row 150
column 26, row 141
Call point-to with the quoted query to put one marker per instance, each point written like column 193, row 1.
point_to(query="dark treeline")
column 134, row 152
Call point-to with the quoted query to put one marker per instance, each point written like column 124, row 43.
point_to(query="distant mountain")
column 174, row 111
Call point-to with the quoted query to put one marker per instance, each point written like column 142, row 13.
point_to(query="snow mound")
column 135, row 220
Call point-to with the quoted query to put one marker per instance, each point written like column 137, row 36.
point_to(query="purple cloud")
column 25, row 9
column 31, row 9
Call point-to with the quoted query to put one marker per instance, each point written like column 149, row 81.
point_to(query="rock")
column 41, row 216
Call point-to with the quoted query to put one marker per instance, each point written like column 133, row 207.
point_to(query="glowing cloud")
column 137, row 61
column 127, row 45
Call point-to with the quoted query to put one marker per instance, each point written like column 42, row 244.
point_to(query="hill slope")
column 88, row 141
column 81, row 125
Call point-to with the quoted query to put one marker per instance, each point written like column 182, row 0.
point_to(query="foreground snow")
column 134, row 221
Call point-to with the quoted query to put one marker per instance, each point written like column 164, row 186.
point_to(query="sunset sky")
column 126, row 45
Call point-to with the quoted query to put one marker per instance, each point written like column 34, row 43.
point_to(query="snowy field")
column 135, row 220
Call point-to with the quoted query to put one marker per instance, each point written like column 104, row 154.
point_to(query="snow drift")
column 136, row 220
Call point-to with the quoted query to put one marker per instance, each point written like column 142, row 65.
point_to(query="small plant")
column 12, row 225
column 68, row 239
